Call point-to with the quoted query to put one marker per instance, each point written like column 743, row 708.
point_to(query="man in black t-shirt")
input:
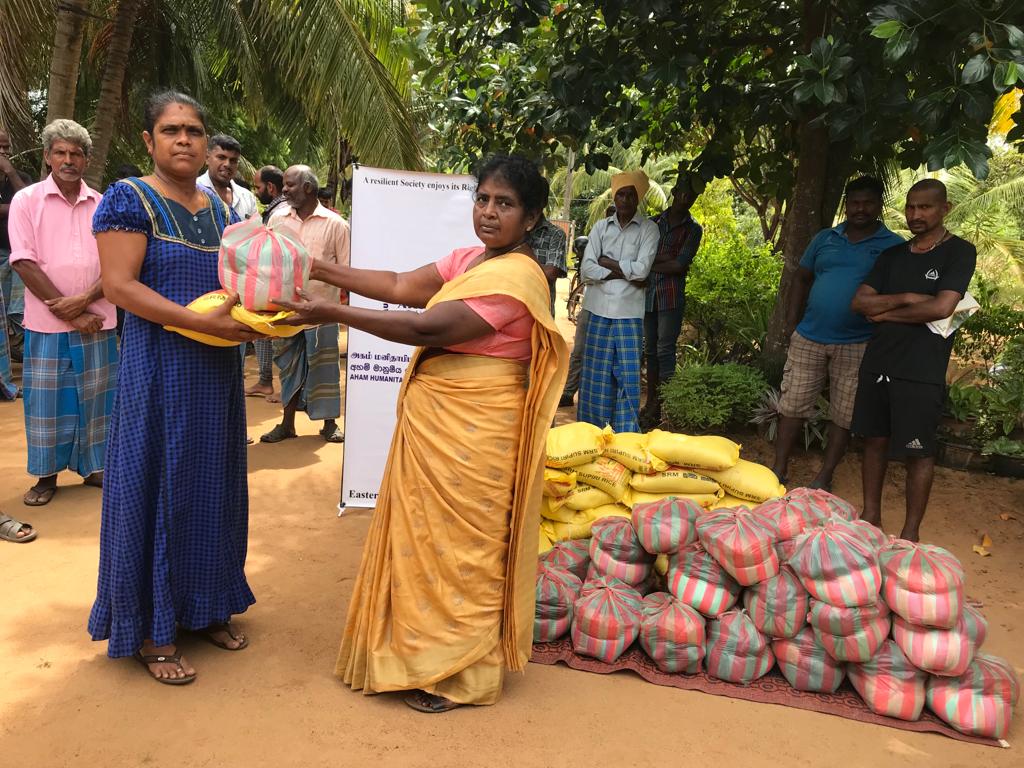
column 902, row 380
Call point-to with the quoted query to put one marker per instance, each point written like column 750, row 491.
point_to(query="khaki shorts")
column 807, row 366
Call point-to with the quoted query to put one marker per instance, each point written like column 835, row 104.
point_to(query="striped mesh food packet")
column 616, row 537
column 839, row 620
column 785, row 516
column 603, row 563
column 980, row 701
column 572, row 555
column 741, row 544
column 778, row 606
column 606, row 619
column 975, row 625
column 889, row 684
column 822, row 504
column 695, row 578
column 557, row 591
column 943, row 652
column 672, row 634
column 870, row 534
column 922, row 583
column 664, row 526
column 804, row 662
column 837, row 567
column 736, row 651
column 860, row 645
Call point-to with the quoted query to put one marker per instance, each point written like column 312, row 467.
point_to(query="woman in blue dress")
column 174, row 531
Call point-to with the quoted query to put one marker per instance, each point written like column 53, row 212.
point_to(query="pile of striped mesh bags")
column 705, row 561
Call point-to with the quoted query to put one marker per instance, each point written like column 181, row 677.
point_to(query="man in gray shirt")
column 615, row 267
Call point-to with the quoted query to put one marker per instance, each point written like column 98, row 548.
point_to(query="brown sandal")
column 430, row 703
column 174, row 658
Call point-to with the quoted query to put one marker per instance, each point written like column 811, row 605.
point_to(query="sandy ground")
column 64, row 703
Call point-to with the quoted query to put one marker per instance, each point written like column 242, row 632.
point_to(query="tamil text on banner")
column 401, row 221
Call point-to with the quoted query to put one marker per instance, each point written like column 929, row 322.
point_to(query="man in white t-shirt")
column 222, row 158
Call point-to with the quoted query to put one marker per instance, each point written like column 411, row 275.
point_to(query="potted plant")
column 1007, row 456
column 963, row 403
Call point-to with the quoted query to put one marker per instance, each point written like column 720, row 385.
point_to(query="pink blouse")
column 510, row 319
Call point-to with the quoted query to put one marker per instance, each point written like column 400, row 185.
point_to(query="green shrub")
column 699, row 398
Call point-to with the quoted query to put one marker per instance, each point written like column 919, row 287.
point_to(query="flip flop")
column 277, row 434
column 208, row 634
column 41, row 497
column 422, row 701
column 332, row 435
column 174, row 658
column 10, row 528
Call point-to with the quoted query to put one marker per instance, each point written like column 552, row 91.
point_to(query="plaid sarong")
column 610, row 386
column 8, row 391
column 69, row 381
column 309, row 368
column 265, row 359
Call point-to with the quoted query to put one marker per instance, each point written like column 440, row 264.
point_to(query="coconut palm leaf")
column 26, row 35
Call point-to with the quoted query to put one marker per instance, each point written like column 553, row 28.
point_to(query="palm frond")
column 26, row 35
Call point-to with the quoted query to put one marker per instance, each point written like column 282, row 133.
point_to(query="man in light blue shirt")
column 830, row 339
column 615, row 267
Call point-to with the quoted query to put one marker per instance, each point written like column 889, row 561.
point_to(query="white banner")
column 400, row 221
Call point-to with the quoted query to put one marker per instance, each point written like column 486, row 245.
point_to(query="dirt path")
column 64, row 703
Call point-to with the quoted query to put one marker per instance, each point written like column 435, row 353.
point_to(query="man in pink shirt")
column 70, row 367
column 310, row 377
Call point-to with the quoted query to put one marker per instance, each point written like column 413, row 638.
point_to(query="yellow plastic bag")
column 731, row 502
column 261, row 322
column 584, row 496
column 747, row 480
column 579, row 527
column 605, row 474
column 573, row 444
column 702, row 452
column 555, row 509
column 674, row 480
column 543, row 542
column 558, row 482
column 661, row 565
column 630, row 450
column 634, row 497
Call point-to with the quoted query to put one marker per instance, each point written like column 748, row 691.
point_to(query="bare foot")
column 166, row 670
column 272, row 398
column 258, row 389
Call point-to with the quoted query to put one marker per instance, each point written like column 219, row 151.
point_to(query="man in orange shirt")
column 310, row 377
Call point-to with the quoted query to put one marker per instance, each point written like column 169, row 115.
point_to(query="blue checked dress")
column 175, row 521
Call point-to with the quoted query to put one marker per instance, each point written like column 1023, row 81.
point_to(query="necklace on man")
column 945, row 234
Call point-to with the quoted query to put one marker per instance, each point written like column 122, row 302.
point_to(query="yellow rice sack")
column 543, row 542
column 573, row 444
column 579, row 528
column 555, row 509
column 605, row 474
column 634, row 497
column 747, row 480
column 261, row 322
column 702, row 452
column 584, row 496
column 674, row 480
column 558, row 482
column 630, row 450
column 731, row 502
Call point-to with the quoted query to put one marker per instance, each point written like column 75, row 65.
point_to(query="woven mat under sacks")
column 770, row 689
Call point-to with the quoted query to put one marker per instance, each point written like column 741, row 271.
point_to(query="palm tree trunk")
column 108, row 108
column 67, row 55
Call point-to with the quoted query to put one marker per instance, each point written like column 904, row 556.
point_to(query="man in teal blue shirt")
column 830, row 339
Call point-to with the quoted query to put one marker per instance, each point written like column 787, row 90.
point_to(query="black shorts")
column 907, row 412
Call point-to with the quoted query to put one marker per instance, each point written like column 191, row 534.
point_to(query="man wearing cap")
column 615, row 266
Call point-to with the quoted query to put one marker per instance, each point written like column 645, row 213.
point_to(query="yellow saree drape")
column 444, row 599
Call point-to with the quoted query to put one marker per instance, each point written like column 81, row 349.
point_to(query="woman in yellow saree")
column 443, row 603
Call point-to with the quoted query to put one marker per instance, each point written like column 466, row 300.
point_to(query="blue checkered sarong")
column 610, row 384
column 69, row 381
column 8, row 390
